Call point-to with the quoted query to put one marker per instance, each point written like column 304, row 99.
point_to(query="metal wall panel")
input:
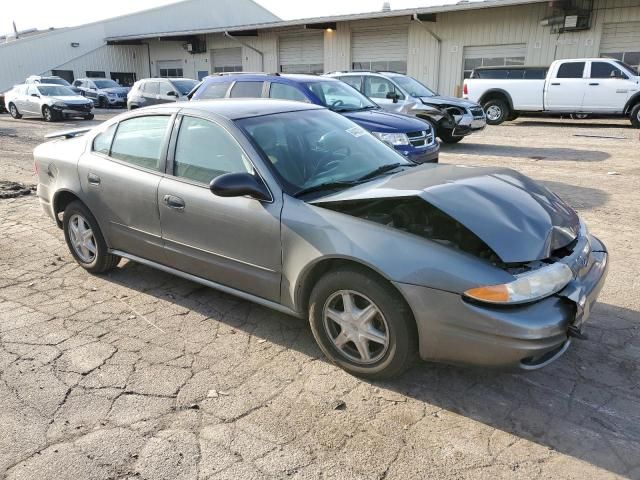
column 620, row 37
column 387, row 44
column 226, row 59
column 302, row 53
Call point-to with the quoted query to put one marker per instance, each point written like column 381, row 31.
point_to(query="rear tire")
column 85, row 240
column 635, row 116
column 13, row 110
column 497, row 111
column 375, row 310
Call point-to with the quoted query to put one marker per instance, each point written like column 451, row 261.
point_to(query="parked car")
column 153, row 91
column 453, row 118
column 104, row 92
column 299, row 209
column 412, row 137
column 52, row 80
column 51, row 102
column 593, row 86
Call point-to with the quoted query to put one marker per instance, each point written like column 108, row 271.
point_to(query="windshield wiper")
column 325, row 186
column 383, row 169
column 347, row 109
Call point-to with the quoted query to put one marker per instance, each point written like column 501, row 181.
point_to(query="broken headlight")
column 527, row 287
column 392, row 138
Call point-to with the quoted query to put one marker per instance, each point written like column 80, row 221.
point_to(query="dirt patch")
column 15, row 189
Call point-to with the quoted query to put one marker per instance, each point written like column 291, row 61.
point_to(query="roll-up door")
column 302, row 53
column 621, row 41
column 226, row 60
column 382, row 49
column 493, row 56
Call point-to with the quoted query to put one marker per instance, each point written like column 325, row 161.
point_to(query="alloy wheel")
column 47, row 114
column 493, row 113
column 82, row 238
column 13, row 110
column 356, row 327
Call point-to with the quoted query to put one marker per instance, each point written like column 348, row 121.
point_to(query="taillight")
column 465, row 90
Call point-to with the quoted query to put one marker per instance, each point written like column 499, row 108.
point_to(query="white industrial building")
column 438, row 45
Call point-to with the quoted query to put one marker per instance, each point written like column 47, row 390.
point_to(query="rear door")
column 231, row 241
column 609, row 88
column 166, row 89
column 566, row 87
column 120, row 178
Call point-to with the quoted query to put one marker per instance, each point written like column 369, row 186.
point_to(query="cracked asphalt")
column 141, row 375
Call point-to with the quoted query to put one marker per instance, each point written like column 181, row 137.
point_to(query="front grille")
column 477, row 112
column 80, row 108
column 421, row 139
column 121, row 95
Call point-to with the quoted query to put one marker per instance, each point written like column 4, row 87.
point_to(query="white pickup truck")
column 599, row 86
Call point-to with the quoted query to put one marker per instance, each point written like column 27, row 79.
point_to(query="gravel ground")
column 138, row 374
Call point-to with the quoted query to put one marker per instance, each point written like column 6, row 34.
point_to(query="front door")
column 379, row 90
column 32, row 101
column 609, row 88
column 231, row 241
column 566, row 88
column 120, row 178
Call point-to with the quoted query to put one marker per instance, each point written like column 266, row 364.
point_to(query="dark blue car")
column 412, row 137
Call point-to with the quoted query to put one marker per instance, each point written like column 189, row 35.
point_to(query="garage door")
column 493, row 56
column 621, row 41
column 380, row 49
column 170, row 69
column 302, row 53
column 226, row 60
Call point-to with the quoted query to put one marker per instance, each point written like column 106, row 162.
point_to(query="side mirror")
column 172, row 94
column 35, row 95
column 393, row 96
column 239, row 185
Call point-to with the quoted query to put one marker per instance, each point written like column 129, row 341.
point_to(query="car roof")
column 237, row 108
column 155, row 79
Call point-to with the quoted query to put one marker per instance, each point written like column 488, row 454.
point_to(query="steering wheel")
column 337, row 103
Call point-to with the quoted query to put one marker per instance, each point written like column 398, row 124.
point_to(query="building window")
column 96, row 74
column 399, row 66
column 630, row 58
column 126, row 79
column 227, row 68
column 311, row 68
column 171, row 73
column 471, row 63
column 66, row 74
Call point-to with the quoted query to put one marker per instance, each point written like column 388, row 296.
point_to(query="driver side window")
column 205, row 151
column 378, row 87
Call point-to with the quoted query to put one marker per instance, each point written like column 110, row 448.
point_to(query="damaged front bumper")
column 522, row 337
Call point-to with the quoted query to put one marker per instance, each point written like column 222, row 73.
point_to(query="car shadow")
column 568, row 123
column 580, row 198
column 586, row 404
column 532, row 153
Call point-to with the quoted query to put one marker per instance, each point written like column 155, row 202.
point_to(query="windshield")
column 56, row 81
column 184, row 86
column 414, row 87
column 314, row 147
column 631, row 70
column 106, row 84
column 339, row 96
column 55, row 91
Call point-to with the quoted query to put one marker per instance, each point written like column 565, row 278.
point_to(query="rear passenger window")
column 571, row 70
column 205, row 151
column 214, row 90
column 102, row 143
column 139, row 141
column 247, row 90
column 286, row 92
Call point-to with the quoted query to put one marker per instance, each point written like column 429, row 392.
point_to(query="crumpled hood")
column 444, row 100
column 381, row 121
column 520, row 220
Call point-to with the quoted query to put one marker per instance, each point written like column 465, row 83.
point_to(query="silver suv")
column 453, row 118
column 103, row 91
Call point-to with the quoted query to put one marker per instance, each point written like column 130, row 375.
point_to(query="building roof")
column 460, row 6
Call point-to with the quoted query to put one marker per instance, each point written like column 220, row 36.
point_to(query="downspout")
column 149, row 59
column 235, row 39
column 437, row 39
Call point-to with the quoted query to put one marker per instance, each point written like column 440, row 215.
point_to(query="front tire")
column 48, row 114
column 89, row 117
column 13, row 110
column 635, row 116
column 85, row 240
column 362, row 324
column 446, row 137
column 496, row 111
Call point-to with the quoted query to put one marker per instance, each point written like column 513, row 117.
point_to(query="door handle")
column 93, row 179
column 593, row 84
column 555, row 84
column 174, row 202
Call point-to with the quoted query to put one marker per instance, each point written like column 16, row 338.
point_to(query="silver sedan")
column 297, row 208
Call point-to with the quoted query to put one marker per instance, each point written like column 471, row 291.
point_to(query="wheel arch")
column 314, row 271
column 61, row 200
column 632, row 102
column 496, row 93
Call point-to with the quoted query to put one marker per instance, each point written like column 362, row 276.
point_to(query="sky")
column 65, row 13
